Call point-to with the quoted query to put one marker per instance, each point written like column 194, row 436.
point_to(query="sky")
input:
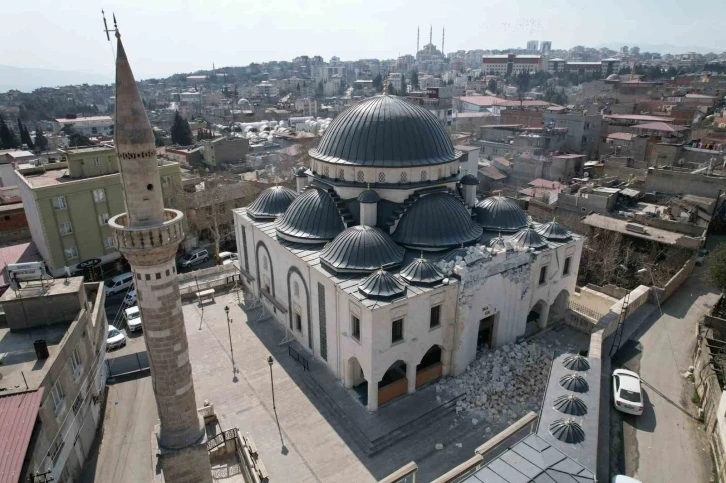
column 163, row 37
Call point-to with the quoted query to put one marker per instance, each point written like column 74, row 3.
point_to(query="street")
column 667, row 443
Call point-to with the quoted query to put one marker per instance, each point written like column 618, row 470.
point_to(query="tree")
column 181, row 133
column 414, row 80
column 77, row 139
column 41, row 142
column 7, row 137
column 378, row 83
column 492, row 85
column 403, row 85
column 159, row 139
column 320, row 91
column 391, row 90
column 716, row 273
column 25, row 136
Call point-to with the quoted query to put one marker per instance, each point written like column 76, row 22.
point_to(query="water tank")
column 41, row 349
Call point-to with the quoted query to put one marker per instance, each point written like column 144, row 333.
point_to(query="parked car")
column 115, row 338
column 130, row 298
column 701, row 256
column 133, row 318
column 227, row 257
column 627, row 393
column 118, row 283
column 198, row 255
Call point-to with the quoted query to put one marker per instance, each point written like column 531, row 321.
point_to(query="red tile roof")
column 18, row 414
column 639, row 117
column 20, row 253
column 660, row 126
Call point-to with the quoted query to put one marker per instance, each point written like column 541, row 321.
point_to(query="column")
column 372, row 395
column 411, row 376
column 542, row 321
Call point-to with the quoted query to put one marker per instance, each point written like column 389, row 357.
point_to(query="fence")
column 588, row 312
column 206, row 278
column 298, row 358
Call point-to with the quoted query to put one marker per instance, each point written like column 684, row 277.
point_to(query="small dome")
column 574, row 382
column 381, row 284
column 386, row 131
column 435, row 222
column 361, row 249
column 422, row 271
column 451, row 256
column 613, row 77
column 301, row 172
column 470, row 180
column 576, row 363
column 311, row 218
column 570, row 404
column 369, row 196
column 554, row 231
column 271, row 203
column 567, row 431
column 528, row 238
column 499, row 243
column 499, row 213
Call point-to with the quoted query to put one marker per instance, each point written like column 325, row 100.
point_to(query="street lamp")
column 229, row 330
column 270, row 362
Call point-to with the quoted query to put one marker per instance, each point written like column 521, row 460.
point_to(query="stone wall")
column 660, row 295
column 711, row 394
column 685, row 228
column 683, row 182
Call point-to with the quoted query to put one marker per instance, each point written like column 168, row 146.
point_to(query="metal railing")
column 222, row 438
column 586, row 311
column 299, row 358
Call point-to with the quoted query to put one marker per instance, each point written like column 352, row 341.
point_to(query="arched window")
column 341, row 174
column 404, row 177
column 381, row 177
column 424, row 176
column 361, row 177
column 326, row 171
column 296, row 289
column 264, row 262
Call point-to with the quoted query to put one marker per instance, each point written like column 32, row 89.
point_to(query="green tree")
column 77, row 139
column 41, row 142
column 181, row 133
column 403, row 85
column 25, row 136
column 716, row 273
column 378, row 83
column 414, row 80
column 391, row 90
column 320, row 91
column 159, row 139
column 492, row 85
column 7, row 137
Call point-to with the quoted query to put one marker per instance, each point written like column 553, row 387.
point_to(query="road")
column 667, row 443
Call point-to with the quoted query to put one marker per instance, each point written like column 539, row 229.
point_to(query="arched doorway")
column 537, row 317
column 430, row 367
column 393, row 383
column 558, row 308
column 355, row 380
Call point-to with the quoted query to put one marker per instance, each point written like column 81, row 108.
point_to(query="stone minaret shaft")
column 148, row 236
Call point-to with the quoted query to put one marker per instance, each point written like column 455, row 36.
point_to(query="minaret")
column 148, row 236
column 431, row 38
column 443, row 34
column 418, row 35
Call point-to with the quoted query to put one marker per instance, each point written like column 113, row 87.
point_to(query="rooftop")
column 87, row 149
column 20, row 253
column 18, row 413
column 63, row 120
column 666, row 237
column 622, row 136
column 639, row 117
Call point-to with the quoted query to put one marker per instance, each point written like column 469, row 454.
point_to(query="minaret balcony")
column 131, row 238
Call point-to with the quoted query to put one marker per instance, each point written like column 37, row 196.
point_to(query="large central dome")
column 385, row 131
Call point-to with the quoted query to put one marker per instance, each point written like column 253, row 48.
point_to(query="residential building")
column 382, row 271
column 68, row 205
column 224, row 150
column 53, row 377
column 511, row 64
column 532, row 45
column 395, row 79
column 266, row 89
column 88, row 126
column 583, row 131
column 545, row 47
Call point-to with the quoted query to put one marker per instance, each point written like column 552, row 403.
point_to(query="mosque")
column 385, row 266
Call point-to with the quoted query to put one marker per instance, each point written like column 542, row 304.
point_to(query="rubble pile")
column 502, row 385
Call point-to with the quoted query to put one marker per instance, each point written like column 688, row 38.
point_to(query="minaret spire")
column 443, row 33
column 418, row 35
column 431, row 38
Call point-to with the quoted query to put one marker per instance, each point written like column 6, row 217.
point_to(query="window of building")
column 103, row 219
column 264, row 262
column 76, row 364
column 108, row 242
column 96, row 162
column 99, row 195
column 361, row 177
column 58, row 396
column 404, row 177
column 165, row 181
column 397, row 331
column 71, row 252
column 296, row 289
column 65, row 228
column 435, row 319
column 169, row 202
column 60, row 203
column 298, row 322
column 543, row 275
column 355, row 327
column 56, row 449
column 568, row 263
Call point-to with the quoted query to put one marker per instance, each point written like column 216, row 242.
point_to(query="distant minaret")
column 418, row 34
column 431, row 38
column 443, row 33
column 148, row 236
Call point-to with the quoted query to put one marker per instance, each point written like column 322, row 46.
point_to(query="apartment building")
column 88, row 126
column 511, row 64
column 68, row 205
column 52, row 354
column 224, row 150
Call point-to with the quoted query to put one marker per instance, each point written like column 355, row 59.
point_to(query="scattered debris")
column 439, row 446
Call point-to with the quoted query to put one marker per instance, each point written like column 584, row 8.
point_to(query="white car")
column 624, row 479
column 133, row 318
column 130, row 298
column 627, row 393
column 115, row 338
column 227, row 257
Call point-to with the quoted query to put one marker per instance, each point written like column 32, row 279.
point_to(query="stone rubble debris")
column 439, row 446
column 502, row 385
